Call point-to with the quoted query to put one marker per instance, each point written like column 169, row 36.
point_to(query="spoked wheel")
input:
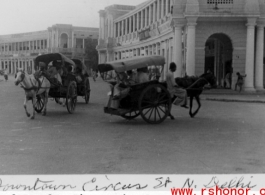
column 71, row 97
column 39, row 104
column 131, row 115
column 154, row 104
column 87, row 90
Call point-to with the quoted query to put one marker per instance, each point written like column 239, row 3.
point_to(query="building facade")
column 20, row 50
column 224, row 36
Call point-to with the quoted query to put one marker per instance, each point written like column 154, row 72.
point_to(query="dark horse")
column 194, row 86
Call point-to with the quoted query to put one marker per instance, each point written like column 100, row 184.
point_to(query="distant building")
column 20, row 50
column 198, row 35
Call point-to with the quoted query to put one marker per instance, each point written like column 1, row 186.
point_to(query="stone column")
column 119, row 29
column 146, row 17
column 8, row 66
column 112, row 27
column 167, row 7
column 150, row 14
column 100, row 28
column 166, row 58
column 154, row 12
column 130, row 24
column 249, row 68
column 133, row 23
column 126, row 26
column 115, row 27
column 162, row 9
column 48, row 41
column 158, row 10
column 259, row 58
column 177, row 57
column 142, row 19
column 122, row 28
column 109, row 27
column 11, row 66
column 170, row 42
column 158, row 49
column 190, row 59
column 138, row 21
column 102, row 24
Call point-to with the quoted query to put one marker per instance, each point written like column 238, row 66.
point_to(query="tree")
column 91, row 53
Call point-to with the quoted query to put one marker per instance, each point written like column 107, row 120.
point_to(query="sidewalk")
column 233, row 96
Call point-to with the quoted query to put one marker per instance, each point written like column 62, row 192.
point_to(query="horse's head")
column 19, row 77
column 210, row 78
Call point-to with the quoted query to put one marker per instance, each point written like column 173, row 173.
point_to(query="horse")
column 194, row 86
column 32, row 88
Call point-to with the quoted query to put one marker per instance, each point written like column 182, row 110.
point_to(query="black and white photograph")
column 132, row 87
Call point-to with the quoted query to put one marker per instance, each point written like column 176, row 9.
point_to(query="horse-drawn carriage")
column 68, row 88
column 150, row 99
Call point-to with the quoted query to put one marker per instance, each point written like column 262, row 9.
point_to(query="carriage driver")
column 42, row 70
column 178, row 94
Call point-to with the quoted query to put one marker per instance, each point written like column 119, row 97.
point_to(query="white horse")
column 33, row 88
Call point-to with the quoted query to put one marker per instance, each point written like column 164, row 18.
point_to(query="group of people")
column 55, row 72
column 239, row 82
column 121, row 88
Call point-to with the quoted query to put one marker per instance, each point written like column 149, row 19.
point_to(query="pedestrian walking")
column 240, row 81
column 94, row 75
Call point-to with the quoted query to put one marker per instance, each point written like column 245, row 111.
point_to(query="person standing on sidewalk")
column 6, row 74
column 227, row 80
column 240, row 81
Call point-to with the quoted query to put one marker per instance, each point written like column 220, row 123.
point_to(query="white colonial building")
column 198, row 35
column 20, row 50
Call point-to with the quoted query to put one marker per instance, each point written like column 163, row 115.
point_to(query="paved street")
column 225, row 137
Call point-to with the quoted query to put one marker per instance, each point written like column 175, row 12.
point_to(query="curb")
column 234, row 100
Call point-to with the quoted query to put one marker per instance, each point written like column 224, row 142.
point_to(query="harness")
column 34, row 88
column 201, row 78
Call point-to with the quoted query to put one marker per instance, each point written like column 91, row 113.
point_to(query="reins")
column 201, row 78
column 35, row 88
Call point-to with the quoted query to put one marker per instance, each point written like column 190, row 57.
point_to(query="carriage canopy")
column 81, row 65
column 132, row 63
column 47, row 58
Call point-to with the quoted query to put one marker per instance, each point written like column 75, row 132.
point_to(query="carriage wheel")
column 131, row 115
column 71, row 97
column 87, row 90
column 39, row 104
column 154, row 104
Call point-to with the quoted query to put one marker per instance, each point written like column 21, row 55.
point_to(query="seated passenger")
column 79, row 75
column 121, row 89
column 68, row 75
column 142, row 75
column 131, row 77
column 54, row 72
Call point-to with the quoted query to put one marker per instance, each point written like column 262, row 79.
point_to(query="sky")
column 20, row 16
